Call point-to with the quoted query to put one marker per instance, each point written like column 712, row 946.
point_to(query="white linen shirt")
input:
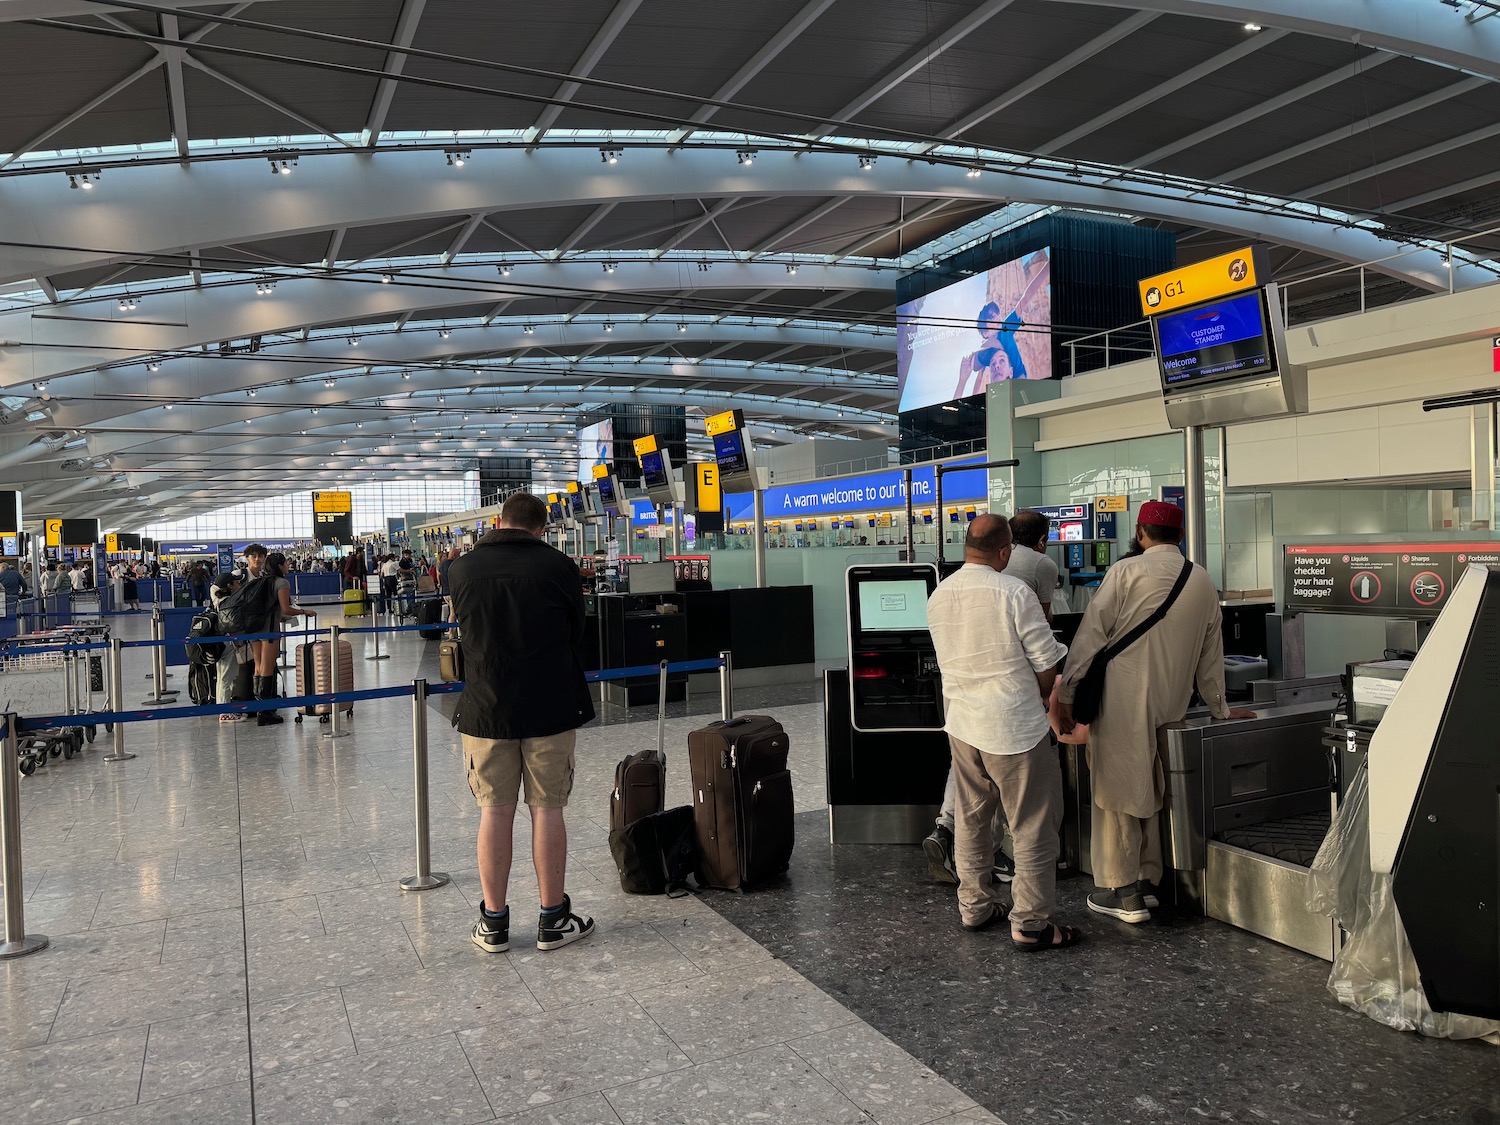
column 991, row 641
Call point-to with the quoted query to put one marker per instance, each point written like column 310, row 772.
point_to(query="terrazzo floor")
column 229, row 944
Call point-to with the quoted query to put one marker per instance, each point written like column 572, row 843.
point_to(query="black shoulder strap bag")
column 1088, row 697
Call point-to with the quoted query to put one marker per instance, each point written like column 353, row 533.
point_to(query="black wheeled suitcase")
column 742, row 801
column 429, row 613
column 641, row 778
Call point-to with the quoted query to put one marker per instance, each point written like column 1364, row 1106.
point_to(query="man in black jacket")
column 519, row 603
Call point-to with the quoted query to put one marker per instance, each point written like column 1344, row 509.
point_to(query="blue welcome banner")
column 870, row 492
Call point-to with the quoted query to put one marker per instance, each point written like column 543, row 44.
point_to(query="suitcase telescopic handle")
column 661, row 710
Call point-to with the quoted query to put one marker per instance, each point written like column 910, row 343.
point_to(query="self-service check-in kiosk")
column 887, row 753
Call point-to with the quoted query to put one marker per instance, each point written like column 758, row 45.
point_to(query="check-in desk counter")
column 768, row 632
column 1248, row 804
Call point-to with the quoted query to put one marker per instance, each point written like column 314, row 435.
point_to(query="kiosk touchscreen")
column 893, row 674
column 611, row 495
column 657, row 477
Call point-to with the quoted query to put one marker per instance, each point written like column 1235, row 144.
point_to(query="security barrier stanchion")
column 425, row 879
column 378, row 654
column 333, row 658
column 70, row 685
column 661, row 705
column 726, row 687
column 116, row 698
column 160, row 696
column 17, row 941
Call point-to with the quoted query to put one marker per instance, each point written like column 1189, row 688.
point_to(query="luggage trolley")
column 87, row 672
column 29, row 682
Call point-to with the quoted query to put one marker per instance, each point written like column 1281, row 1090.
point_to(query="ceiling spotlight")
column 745, row 156
column 129, row 303
column 315, row 409
column 457, row 157
column 608, row 327
column 249, row 420
column 251, row 392
column 405, row 375
column 973, row 171
column 704, row 265
column 168, row 406
column 442, row 398
column 484, row 433
column 609, row 267
column 504, row 269
column 84, row 178
column 387, row 278
column 443, row 333
column 791, row 268
column 866, row 161
column 354, row 341
column 328, row 382
column 529, row 329
column 153, row 366
column 609, row 155
column 359, row 425
column 282, row 163
column 1252, row 27
column 682, row 328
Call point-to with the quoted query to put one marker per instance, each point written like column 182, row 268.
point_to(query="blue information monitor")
column 1217, row 340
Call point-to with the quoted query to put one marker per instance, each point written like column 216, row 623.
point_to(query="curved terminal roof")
column 311, row 240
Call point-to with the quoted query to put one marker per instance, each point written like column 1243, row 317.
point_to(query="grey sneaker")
column 938, row 848
column 1128, row 907
column 491, row 936
column 562, row 928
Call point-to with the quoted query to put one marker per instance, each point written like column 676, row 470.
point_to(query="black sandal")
column 1060, row 936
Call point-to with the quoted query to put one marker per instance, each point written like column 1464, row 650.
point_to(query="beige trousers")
column 1125, row 848
column 1028, row 787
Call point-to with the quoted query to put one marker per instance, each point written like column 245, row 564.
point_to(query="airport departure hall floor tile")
column 229, row 945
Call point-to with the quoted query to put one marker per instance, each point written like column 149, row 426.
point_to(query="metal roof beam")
column 914, row 62
column 1358, row 68
column 695, row 225
column 1345, row 132
column 176, row 94
column 598, row 46
column 1441, row 148
column 1403, row 27
column 36, row 142
column 268, row 102
column 595, row 217
column 759, row 61
column 1161, row 89
column 1046, row 75
column 395, row 63
column 461, row 239
column 921, row 214
column 822, row 211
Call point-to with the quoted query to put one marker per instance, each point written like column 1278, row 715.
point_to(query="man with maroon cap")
column 1147, row 686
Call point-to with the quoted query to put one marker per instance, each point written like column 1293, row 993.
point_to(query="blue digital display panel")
column 729, row 452
column 1216, row 340
column 653, row 470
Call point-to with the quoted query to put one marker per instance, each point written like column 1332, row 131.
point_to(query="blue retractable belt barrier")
column 250, row 706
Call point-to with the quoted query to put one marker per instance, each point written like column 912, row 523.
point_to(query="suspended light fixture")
column 84, row 178
column 745, row 156
column 457, row 157
column 282, row 163
column 866, row 161
column 610, row 155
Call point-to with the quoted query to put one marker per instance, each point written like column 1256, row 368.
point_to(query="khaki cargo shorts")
column 499, row 766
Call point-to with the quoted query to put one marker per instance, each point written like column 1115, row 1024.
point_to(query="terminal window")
column 893, row 606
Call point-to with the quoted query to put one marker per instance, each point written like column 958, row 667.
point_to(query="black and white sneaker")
column 1005, row 867
column 1124, row 904
column 562, row 928
column 938, row 848
column 1147, row 893
column 489, row 935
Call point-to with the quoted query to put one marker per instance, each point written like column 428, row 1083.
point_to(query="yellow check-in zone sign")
column 54, row 533
column 1235, row 272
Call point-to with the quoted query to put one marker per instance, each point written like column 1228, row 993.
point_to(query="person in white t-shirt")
column 78, row 577
column 999, row 659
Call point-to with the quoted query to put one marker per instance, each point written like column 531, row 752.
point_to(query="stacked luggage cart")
column 37, row 671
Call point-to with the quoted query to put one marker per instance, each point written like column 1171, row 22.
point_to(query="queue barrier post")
column 17, row 943
column 116, row 698
column 425, row 879
column 726, row 686
column 378, row 654
column 333, row 730
column 160, row 696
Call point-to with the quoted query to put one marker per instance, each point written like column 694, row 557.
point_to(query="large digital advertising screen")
column 1213, row 341
column 996, row 325
column 596, row 446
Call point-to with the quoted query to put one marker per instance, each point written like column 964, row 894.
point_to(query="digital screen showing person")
column 1226, row 337
column 996, row 325
column 596, row 446
column 898, row 606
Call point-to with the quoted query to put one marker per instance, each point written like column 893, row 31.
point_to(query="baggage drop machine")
column 887, row 755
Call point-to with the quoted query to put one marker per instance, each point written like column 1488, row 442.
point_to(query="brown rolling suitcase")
column 641, row 778
column 742, row 801
column 315, row 675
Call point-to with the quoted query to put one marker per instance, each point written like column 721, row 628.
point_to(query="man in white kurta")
column 1146, row 687
column 998, row 659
